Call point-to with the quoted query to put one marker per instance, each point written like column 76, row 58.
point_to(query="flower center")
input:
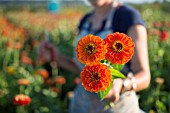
column 90, row 49
column 117, row 46
column 95, row 77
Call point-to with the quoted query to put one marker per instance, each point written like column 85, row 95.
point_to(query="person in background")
column 109, row 16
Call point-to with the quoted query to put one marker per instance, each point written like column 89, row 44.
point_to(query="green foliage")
column 156, row 99
column 116, row 74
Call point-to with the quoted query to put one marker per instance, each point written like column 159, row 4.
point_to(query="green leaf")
column 116, row 74
column 117, row 66
column 102, row 94
column 104, row 61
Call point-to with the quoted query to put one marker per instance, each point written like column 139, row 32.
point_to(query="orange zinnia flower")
column 26, row 60
column 95, row 77
column 21, row 99
column 120, row 48
column 60, row 80
column 23, row 81
column 43, row 73
column 90, row 49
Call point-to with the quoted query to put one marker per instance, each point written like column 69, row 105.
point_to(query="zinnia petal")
column 90, row 49
column 120, row 48
column 95, row 77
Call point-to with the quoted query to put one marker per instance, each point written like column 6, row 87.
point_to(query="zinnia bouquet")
column 103, row 60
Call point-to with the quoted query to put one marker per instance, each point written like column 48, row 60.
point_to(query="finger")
column 110, row 96
column 111, row 99
column 116, row 99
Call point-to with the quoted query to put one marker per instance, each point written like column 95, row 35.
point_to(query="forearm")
column 142, row 80
column 68, row 64
column 140, row 61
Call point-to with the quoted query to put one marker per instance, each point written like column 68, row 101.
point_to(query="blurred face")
column 100, row 3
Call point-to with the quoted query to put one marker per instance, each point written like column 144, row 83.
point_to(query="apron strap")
column 110, row 19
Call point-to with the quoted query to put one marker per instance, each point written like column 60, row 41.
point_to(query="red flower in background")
column 164, row 35
column 21, row 99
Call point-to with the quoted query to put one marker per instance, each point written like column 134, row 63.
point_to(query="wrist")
column 133, row 81
column 127, row 85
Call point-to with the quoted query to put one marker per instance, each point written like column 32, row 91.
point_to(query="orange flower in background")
column 77, row 80
column 25, row 58
column 159, row 80
column 18, row 45
column 21, row 99
column 55, row 89
column 14, row 45
column 24, row 53
column 35, row 43
column 95, row 77
column 42, row 72
column 10, row 44
column 90, row 49
column 23, row 81
column 60, row 80
column 49, row 81
column 120, row 48
column 70, row 94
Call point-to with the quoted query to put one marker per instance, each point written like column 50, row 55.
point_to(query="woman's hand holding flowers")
column 114, row 93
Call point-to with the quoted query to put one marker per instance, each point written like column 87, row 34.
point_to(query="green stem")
column 6, row 59
column 21, row 89
column 16, row 57
column 21, row 110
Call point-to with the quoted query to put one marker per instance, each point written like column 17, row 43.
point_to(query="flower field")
column 28, row 85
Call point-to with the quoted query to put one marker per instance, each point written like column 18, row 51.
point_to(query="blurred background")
column 25, row 23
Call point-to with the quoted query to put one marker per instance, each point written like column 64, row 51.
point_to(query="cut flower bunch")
column 103, row 60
